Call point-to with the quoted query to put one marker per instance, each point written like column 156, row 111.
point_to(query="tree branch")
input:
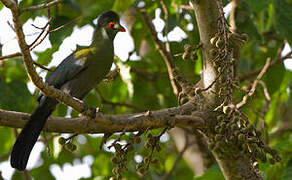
column 232, row 20
column 41, row 6
column 167, row 57
column 211, row 22
column 9, row 4
column 207, row 15
column 49, row 91
column 165, row 11
column 10, row 55
column 104, row 123
column 38, row 40
column 254, row 85
column 277, row 60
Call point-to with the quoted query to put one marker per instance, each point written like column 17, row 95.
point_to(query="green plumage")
column 77, row 75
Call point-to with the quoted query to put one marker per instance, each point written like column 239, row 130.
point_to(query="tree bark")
column 233, row 166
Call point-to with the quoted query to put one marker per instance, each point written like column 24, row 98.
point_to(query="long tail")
column 30, row 133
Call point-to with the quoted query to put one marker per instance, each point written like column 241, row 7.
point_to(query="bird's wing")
column 69, row 68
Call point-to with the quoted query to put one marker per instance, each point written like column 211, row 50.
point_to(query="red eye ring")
column 111, row 25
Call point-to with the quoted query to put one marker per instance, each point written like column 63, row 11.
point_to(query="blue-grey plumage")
column 76, row 75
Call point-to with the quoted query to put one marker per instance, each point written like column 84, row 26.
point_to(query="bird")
column 76, row 75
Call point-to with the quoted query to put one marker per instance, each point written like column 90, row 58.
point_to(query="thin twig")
column 167, row 57
column 278, row 59
column 153, row 145
column 41, row 66
column 254, row 85
column 40, row 28
column 267, row 106
column 10, row 56
column 112, row 75
column 44, row 29
column 164, row 8
column 41, row 6
column 72, row 136
column 11, row 26
column 117, row 140
column 67, row 24
column 186, row 7
column 40, row 40
column 48, row 90
column 266, row 92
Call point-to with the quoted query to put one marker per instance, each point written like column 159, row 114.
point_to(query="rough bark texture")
column 103, row 123
column 197, row 113
column 207, row 15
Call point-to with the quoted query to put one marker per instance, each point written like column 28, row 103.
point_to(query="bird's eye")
column 111, row 25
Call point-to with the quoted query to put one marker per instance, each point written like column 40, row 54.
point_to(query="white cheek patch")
column 104, row 34
column 116, row 26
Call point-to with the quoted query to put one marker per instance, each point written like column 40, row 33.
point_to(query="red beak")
column 122, row 29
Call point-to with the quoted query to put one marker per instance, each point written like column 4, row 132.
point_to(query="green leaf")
column 14, row 70
column 31, row 14
column 45, row 57
column 6, row 138
column 258, row 5
column 283, row 16
column 199, row 64
column 278, row 101
column 57, row 37
column 274, row 172
column 60, row 111
column 91, row 9
column 245, row 23
column 212, row 173
column 1, row 6
column 288, row 174
column 122, row 5
column 273, row 78
column 15, row 96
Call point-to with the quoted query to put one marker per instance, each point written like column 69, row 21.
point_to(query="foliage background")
column 267, row 23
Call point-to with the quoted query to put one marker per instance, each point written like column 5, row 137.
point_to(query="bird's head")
column 110, row 22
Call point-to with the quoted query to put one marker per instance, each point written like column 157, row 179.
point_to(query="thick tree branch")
column 207, row 15
column 112, row 123
column 211, row 22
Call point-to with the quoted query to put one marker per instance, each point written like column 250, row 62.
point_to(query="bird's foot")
column 89, row 112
